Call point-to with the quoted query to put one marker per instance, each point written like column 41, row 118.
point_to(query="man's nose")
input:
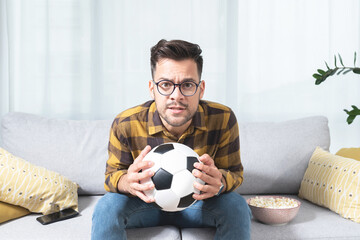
column 176, row 94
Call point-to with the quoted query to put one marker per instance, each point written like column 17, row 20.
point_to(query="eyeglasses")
column 167, row 87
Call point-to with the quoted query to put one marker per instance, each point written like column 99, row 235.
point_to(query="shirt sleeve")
column 120, row 157
column 227, row 158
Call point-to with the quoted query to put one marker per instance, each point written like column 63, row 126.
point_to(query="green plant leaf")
column 317, row 76
column 340, row 71
column 341, row 61
column 354, row 59
column 322, row 72
column 352, row 114
column 356, row 70
column 335, row 61
column 319, row 80
column 327, row 65
column 350, row 119
column 345, row 72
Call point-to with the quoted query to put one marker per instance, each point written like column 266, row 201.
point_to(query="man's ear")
column 151, row 89
column 202, row 88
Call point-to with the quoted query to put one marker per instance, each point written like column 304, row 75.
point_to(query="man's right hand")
column 130, row 182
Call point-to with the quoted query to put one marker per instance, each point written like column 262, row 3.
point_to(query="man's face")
column 176, row 110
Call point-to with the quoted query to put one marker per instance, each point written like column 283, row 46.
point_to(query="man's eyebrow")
column 183, row 80
column 188, row 80
column 163, row 78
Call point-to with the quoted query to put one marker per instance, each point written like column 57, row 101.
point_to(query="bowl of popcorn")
column 273, row 210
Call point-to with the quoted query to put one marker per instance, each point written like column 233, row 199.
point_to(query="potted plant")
column 322, row 75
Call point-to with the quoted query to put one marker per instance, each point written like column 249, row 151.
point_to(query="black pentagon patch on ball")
column 190, row 163
column 162, row 179
column 161, row 149
column 186, row 201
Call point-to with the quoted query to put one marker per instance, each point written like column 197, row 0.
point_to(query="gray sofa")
column 274, row 155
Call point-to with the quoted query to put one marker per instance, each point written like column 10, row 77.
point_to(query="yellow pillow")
column 333, row 182
column 353, row 153
column 34, row 188
column 9, row 212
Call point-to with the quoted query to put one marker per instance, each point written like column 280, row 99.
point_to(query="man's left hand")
column 210, row 174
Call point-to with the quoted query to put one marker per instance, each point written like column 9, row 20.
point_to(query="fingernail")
column 196, row 164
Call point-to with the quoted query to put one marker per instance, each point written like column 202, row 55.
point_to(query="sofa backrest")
column 274, row 155
column 75, row 149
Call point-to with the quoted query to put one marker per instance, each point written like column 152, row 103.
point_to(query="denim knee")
column 234, row 204
column 110, row 206
column 107, row 221
column 233, row 216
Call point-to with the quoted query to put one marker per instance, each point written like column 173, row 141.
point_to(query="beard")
column 177, row 121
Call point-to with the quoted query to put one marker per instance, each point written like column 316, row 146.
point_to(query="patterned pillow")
column 34, row 188
column 333, row 182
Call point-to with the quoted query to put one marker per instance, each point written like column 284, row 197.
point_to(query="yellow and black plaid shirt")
column 214, row 130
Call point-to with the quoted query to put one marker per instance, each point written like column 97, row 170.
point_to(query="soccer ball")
column 173, row 179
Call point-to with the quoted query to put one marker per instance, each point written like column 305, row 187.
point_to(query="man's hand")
column 130, row 182
column 210, row 174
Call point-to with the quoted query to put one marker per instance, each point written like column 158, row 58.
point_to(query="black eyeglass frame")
column 177, row 85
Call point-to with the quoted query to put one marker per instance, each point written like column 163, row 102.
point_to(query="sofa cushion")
column 9, row 212
column 275, row 155
column 312, row 222
column 78, row 228
column 34, row 188
column 75, row 149
column 333, row 182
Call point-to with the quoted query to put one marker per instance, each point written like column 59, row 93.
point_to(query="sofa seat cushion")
column 312, row 222
column 75, row 228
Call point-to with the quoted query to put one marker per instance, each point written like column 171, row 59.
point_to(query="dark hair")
column 177, row 50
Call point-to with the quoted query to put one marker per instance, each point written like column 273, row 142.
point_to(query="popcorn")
column 271, row 202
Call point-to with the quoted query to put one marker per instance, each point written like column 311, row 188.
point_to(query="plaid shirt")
column 214, row 130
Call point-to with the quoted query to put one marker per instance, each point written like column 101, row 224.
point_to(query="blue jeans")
column 228, row 213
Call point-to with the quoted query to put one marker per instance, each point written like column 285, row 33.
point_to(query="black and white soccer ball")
column 173, row 180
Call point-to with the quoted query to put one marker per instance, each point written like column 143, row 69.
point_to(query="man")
column 176, row 114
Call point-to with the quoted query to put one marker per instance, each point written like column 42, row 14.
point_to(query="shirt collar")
column 155, row 125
